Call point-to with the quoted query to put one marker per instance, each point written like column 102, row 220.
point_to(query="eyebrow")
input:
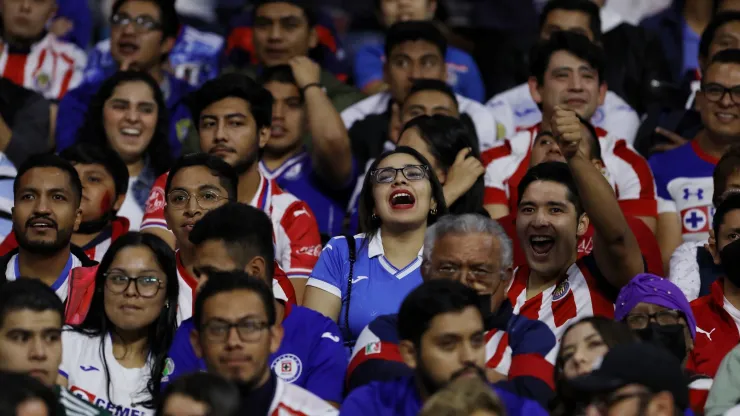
column 140, row 271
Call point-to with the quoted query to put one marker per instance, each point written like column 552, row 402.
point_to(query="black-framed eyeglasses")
column 716, row 92
column 207, row 199
column 141, row 23
column 250, row 330
column 146, row 286
column 641, row 320
column 410, row 172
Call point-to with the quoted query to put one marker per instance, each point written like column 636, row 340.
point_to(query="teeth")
column 541, row 239
column 131, row 132
column 400, row 194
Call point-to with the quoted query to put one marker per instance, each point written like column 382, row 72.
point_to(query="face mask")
column 484, row 304
column 730, row 258
column 670, row 337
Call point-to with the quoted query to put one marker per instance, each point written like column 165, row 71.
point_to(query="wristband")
column 313, row 84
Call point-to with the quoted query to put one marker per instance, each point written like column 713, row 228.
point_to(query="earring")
column 167, row 304
column 374, row 217
column 433, row 211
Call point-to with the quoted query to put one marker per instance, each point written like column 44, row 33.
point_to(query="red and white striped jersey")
column 291, row 400
column 627, row 172
column 97, row 248
column 295, row 232
column 581, row 293
column 51, row 67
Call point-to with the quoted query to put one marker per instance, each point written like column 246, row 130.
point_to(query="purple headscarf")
column 649, row 288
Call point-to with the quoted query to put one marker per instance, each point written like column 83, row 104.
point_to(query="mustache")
column 216, row 148
column 42, row 217
column 467, row 367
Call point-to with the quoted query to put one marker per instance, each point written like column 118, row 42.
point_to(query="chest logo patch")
column 561, row 290
column 288, row 367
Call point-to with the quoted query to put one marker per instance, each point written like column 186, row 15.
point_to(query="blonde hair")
column 463, row 397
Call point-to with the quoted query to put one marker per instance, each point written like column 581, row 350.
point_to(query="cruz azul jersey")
column 194, row 58
column 685, row 186
column 61, row 285
column 297, row 176
column 296, row 235
column 378, row 287
column 581, row 293
column 83, row 367
column 627, row 172
column 516, row 110
column 50, row 67
column 311, row 354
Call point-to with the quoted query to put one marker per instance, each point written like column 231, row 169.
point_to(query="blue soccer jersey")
column 329, row 204
column 378, row 287
column 311, row 355
column 683, row 177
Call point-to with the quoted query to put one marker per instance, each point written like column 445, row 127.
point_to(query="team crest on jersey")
column 561, row 290
column 182, row 127
column 43, row 81
column 288, row 367
column 696, row 220
column 372, row 348
column 82, row 394
column 169, row 368
column 156, row 200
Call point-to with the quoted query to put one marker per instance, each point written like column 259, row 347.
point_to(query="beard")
column 64, row 236
column 243, row 165
column 431, row 386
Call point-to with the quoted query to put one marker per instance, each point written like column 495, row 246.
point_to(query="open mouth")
column 128, row 48
column 401, row 199
column 277, row 131
column 130, row 132
column 42, row 224
column 541, row 244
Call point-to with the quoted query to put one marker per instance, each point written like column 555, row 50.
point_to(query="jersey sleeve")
column 299, row 250
column 531, row 341
column 72, row 109
column 368, row 65
column 154, row 212
column 621, row 120
column 329, row 273
column 328, row 362
column 635, row 183
column 471, row 83
column 70, row 352
column 503, row 113
column 495, row 179
column 181, row 358
column 684, row 269
column 376, row 356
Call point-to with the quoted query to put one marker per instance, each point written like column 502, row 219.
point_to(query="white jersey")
column 83, row 367
column 516, row 110
column 60, row 286
column 485, row 124
column 51, row 67
column 684, row 269
column 291, row 400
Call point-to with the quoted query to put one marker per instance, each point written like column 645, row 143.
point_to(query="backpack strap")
column 352, row 259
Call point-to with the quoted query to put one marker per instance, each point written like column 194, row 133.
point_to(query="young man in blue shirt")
column 311, row 355
column 442, row 338
column 324, row 175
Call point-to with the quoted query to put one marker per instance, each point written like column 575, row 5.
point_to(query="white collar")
column 375, row 247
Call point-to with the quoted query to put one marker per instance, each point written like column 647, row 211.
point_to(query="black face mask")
column 730, row 258
column 96, row 226
column 670, row 337
column 484, row 304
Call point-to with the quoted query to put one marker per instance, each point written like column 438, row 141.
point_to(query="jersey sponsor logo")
column 83, row 394
column 695, row 220
column 330, row 336
column 561, row 290
column 358, row 279
column 586, row 246
column 373, row 348
column 525, row 112
column 156, row 200
column 89, row 368
column 288, row 367
column 708, row 334
column 118, row 410
column 310, row 250
column 688, row 194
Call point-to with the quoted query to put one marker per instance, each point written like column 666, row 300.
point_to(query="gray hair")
column 466, row 224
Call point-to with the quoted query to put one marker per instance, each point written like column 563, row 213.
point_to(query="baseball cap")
column 637, row 363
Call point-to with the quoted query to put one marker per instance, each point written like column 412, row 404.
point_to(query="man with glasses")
column 236, row 331
column 684, row 175
column 34, row 58
column 474, row 250
column 143, row 33
column 635, row 379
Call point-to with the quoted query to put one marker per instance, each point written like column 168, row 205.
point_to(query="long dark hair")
column 160, row 332
column 369, row 224
column 612, row 332
column 93, row 130
column 445, row 137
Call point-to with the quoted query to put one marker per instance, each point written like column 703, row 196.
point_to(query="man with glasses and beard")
column 442, row 338
column 47, row 194
column 235, row 300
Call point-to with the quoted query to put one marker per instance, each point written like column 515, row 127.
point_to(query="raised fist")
column 568, row 131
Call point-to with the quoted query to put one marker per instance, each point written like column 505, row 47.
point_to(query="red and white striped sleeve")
column 154, row 213
column 298, row 243
column 635, row 185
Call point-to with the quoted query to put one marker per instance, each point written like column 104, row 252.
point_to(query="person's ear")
column 408, row 353
column 313, row 38
column 257, row 267
column 276, row 337
column 78, row 219
column 583, row 222
column 167, row 45
column 195, row 343
column 118, row 203
column 431, row 9
column 602, row 93
column 534, row 89
column 264, row 136
column 712, row 247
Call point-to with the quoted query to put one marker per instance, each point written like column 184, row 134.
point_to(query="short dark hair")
column 245, row 230
column 220, row 395
column 309, row 9
column 728, row 165
column 429, row 300
column 557, row 172
column 222, row 282
column 727, row 56
column 282, row 74
column 707, row 37
column 19, row 388
column 170, row 21
column 237, row 86
column 729, row 203
column 89, row 154
column 402, row 32
column 50, row 160
column 587, row 7
column 225, row 173
column 31, row 294
column 432, row 85
column 573, row 43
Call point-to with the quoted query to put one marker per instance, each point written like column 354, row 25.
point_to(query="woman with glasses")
column 129, row 115
column 356, row 281
column 447, row 145
column 116, row 357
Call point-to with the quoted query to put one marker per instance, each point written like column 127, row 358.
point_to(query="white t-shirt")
column 130, row 209
column 82, row 365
